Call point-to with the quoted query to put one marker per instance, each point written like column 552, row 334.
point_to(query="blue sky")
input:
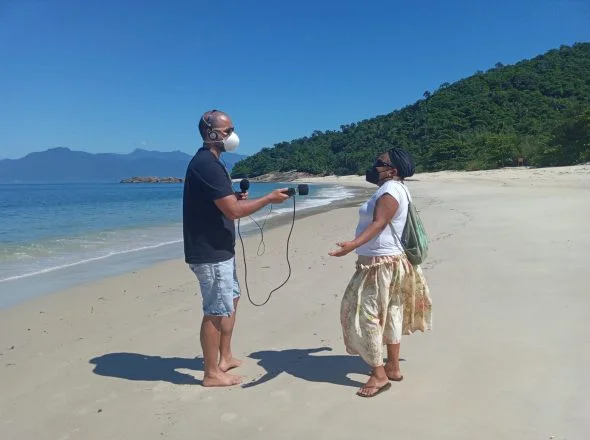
column 111, row 76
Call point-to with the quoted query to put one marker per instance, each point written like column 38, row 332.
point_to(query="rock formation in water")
column 152, row 179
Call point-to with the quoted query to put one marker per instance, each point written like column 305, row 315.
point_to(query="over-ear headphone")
column 212, row 134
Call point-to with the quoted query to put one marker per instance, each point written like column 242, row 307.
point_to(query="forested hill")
column 537, row 109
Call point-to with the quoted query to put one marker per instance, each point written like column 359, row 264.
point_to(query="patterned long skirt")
column 386, row 298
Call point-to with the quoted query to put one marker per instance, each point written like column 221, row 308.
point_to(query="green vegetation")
column 537, row 109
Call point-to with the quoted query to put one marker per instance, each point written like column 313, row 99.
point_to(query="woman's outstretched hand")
column 345, row 248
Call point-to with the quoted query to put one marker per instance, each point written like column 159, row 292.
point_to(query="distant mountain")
column 65, row 165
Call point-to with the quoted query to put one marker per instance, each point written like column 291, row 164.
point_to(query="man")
column 210, row 207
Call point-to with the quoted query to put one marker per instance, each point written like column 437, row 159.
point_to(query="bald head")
column 215, row 121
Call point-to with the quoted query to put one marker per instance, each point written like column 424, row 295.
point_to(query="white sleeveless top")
column 385, row 243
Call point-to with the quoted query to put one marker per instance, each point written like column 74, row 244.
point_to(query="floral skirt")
column 386, row 298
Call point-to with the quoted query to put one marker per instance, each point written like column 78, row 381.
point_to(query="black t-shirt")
column 209, row 236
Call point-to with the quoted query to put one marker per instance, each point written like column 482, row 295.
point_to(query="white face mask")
column 231, row 142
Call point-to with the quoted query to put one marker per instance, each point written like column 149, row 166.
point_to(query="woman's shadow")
column 299, row 363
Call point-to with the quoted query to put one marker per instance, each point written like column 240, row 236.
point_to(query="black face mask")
column 372, row 176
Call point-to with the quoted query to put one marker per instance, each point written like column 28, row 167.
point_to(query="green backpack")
column 414, row 238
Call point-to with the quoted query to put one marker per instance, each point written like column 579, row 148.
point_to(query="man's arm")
column 235, row 209
column 217, row 185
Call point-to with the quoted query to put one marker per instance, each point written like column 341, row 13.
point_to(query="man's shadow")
column 301, row 364
column 133, row 366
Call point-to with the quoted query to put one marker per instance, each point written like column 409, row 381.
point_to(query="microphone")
column 244, row 185
column 302, row 190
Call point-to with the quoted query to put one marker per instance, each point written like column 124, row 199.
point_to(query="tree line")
column 537, row 110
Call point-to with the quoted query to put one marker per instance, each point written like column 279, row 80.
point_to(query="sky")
column 112, row 76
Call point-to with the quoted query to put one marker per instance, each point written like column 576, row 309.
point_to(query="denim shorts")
column 219, row 286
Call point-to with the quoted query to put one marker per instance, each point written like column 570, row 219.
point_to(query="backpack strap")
column 395, row 234
column 407, row 193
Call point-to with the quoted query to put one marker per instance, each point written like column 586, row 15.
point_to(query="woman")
column 387, row 296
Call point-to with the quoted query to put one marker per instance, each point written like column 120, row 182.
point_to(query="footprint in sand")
column 442, row 236
column 431, row 264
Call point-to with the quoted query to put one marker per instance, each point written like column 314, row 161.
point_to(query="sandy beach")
column 508, row 357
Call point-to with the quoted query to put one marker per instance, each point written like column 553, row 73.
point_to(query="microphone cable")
column 261, row 229
column 261, row 242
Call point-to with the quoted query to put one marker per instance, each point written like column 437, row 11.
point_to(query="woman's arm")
column 385, row 209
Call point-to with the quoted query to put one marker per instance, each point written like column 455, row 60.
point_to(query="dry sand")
column 508, row 358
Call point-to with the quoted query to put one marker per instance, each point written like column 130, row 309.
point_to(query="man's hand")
column 242, row 195
column 278, row 196
column 236, row 206
column 345, row 248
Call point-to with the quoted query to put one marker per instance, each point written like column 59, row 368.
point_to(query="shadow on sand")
column 133, row 366
column 300, row 363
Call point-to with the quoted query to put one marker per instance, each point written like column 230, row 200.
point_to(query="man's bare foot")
column 373, row 387
column 221, row 380
column 393, row 373
column 229, row 364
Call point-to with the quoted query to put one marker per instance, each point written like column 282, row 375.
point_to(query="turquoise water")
column 56, row 235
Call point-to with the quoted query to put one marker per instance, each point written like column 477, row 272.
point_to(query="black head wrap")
column 402, row 160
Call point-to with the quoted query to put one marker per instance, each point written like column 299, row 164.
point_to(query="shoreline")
column 118, row 264
column 58, row 279
column 251, row 241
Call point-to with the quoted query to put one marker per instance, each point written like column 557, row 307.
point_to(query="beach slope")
column 508, row 357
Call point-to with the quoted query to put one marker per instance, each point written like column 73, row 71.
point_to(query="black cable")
column 261, row 228
column 246, row 266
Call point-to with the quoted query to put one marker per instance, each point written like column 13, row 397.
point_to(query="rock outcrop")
column 153, row 180
column 286, row 176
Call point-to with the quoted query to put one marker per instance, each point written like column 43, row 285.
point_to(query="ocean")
column 54, row 236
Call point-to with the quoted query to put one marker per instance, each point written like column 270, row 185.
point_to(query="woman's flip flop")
column 379, row 390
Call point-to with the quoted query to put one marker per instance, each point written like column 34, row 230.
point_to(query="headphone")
column 211, row 133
